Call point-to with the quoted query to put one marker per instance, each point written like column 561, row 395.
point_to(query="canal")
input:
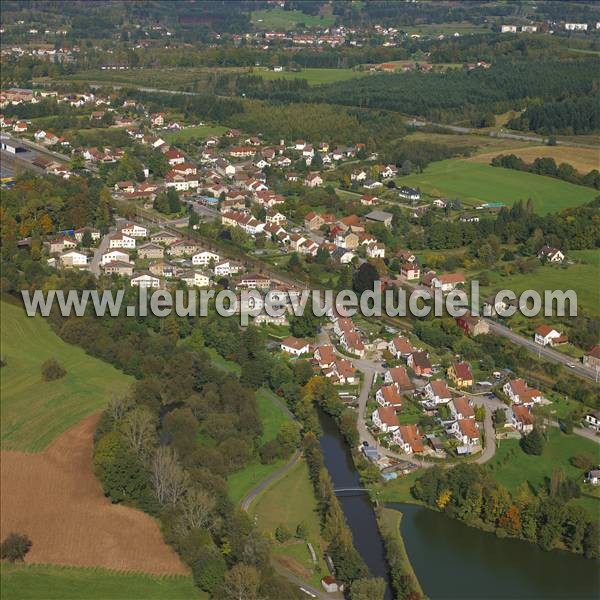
column 452, row 560
column 357, row 508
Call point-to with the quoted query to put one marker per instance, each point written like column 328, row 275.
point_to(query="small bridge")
column 341, row 490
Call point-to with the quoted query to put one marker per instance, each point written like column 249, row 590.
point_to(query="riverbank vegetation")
column 467, row 492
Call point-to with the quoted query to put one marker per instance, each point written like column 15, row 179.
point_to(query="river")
column 452, row 560
column 357, row 507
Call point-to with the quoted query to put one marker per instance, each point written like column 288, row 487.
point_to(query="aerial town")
column 281, row 148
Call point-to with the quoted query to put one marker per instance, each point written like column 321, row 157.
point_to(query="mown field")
column 582, row 277
column 299, row 506
column 272, row 416
column 583, row 159
column 51, row 582
column 35, row 412
column 312, row 76
column 198, row 132
column 475, row 183
column 282, row 20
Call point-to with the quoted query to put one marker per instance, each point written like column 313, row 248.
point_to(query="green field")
column 475, row 183
column 51, row 582
column 200, row 132
column 444, row 28
column 511, row 466
column 35, row 412
column 272, row 416
column 290, row 501
column 312, row 76
column 582, row 277
column 280, row 19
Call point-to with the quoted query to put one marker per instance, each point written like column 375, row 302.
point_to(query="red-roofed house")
column 520, row 393
column 521, row 418
column 325, row 356
column 389, row 395
column 295, row 346
column 448, row 281
column 399, row 377
column 461, row 408
column 420, row 364
column 545, row 335
column 460, row 374
column 400, row 347
column 385, row 419
column 437, row 392
column 466, row 431
column 409, row 439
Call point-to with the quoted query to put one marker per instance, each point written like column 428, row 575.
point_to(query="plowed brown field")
column 55, row 498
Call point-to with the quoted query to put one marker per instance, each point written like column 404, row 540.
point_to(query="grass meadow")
column 479, row 183
column 35, row 412
column 52, row 582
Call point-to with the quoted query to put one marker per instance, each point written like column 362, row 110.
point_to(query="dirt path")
column 55, row 498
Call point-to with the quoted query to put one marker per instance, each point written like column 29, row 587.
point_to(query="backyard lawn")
column 198, row 132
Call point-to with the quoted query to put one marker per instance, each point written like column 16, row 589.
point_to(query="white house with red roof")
column 546, row 335
column 521, row 418
column 519, row 392
column 400, row 347
column 466, row 431
column 295, row 346
column 389, row 395
column 409, row 439
column 385, row 419
column 461, row 408
column 437, row 392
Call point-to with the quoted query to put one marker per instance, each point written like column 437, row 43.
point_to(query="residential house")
column 389, row 395
column 150, row 250
column 519, row 392
column 164, row 237
column 409, row 193
column 410, row 270
column 255, row 281
column 472, row 325
column 145, row 280
column 409, row 439
column 120, row 240
column 521, row 418
column 448, row 281
column 183, row 248
column 195, row 278
column 72, row 258
column 368, row 200
column 62, row 243
column 381, row 217
column 546, row 335
column 385, row 419
column 420, row 364
column 593, row 477
column 351, row 342
column 114, row 256
column 437, row 392
column 134, row 230
column 347, row 240
column 313, row 180
column 295, row 346
column 592, row 358
column 94, row 233
column 592, row 420
column 204, row 257
column 461, row 408
column 400, row 347
column 466, row 431
column 325, row 356
column 226, row 268
column 460, row 375
column 118, row 267
column 398, row 377
column 376, row 251
column 313, row 221
column 345, row 371
column 550, row 254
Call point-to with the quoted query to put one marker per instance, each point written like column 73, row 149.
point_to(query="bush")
column 533, row 443
column 585, row 461
column 52, row 370
column 14, row 547
column 282, row 534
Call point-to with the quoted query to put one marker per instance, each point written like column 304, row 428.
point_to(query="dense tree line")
column 570, row 116
column 457, row 93
column 468, row 492
column 547, row 166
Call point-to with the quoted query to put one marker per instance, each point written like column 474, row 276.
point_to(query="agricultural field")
column 272, row 415
column 430, row 29
column 583, row 159
column 476, row 183
column 55, row 498
column 34, row 412
column 300, row 506
column 51, row 582
column 511, row 466
column 312, row 76
column 582, row 277
column 478, row 143
column 280, row 19
column 198, row 132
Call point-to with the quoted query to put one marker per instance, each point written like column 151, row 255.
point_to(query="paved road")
column 99, row 251
column 548, row 353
